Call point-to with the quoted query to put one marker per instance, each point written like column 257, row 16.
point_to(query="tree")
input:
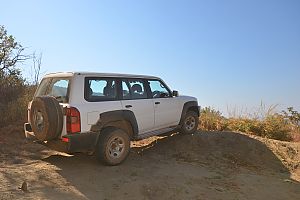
column 14, row 92
column 36, row 68
column 292, row 115
column 11, row 52
column 11, row 81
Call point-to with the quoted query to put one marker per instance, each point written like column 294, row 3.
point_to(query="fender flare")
column 106, row 119
column 190, row 105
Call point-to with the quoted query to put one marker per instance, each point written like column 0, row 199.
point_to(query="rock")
column 24, row 187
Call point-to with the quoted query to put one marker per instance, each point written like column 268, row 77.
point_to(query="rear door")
column 58, row 87
column 135, row 98
column 101, row 95
column 166, row 107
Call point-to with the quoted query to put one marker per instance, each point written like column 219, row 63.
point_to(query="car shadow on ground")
column 176, row 161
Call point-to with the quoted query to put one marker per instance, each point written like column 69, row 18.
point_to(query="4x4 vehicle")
column 102, row 113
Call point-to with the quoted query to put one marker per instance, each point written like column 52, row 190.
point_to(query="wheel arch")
column 189, row 106
column 123, row 119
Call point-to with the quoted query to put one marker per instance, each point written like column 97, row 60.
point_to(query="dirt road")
column 206, row 165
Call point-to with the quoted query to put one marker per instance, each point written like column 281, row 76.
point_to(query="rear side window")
column 56, row 87
column 100, row 89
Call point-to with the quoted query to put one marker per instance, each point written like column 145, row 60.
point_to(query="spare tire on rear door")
column 46, row 118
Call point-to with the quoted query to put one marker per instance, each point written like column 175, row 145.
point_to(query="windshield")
column 56, row 87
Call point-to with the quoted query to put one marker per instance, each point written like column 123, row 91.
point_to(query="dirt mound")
column 225, row 150
column 15, row 149
column 206, row 165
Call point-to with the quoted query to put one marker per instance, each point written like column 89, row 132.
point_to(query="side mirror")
column 175, row 93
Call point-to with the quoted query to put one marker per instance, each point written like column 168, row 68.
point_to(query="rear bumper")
column 28, row 131
column 81, row 142
column 77, row 142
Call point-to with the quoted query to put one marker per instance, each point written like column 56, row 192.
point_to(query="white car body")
column 153, row 115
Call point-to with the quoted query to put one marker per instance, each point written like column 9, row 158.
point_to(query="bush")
column 246, row 125
column 294, row 117
column 272, row 125
column 16, row 110
column 212, row 120
column 277, row 127
column 13, row 90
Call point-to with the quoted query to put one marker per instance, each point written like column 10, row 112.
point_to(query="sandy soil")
column 206, row 165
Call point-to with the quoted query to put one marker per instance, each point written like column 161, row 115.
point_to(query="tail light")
column 73, row 120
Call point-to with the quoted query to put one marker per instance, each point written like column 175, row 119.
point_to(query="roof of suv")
column 66, row 74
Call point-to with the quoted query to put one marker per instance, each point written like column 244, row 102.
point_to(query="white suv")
column 102, row 113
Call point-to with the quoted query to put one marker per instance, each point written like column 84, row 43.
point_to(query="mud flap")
column 82, row 142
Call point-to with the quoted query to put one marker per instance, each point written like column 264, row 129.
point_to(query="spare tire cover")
column 46, row 118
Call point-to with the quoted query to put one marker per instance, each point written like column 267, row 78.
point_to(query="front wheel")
column 113, row 146
column 190, row 123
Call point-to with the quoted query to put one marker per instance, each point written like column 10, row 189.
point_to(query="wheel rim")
column 116, row 147
column 39, row 120
column 190, row 123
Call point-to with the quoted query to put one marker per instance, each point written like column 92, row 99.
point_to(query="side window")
column 158, row 89
column 133, row 89
column 100, row 89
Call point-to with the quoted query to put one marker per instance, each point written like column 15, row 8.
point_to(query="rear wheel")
column 46, row 118
column 113, row 146
column 190, row 123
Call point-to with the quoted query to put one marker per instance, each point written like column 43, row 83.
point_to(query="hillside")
column 206, row 165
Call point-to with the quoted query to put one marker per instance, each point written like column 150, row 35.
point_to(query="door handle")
column 157, row 103
column 128, row 106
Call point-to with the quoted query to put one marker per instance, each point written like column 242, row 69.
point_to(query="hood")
column 187, row 98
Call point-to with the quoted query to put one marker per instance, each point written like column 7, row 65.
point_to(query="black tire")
column 189, row 123
column 113, row 146
column 46, row 118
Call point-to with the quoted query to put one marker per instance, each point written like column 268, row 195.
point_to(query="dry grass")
column 15, row 111
column 265, row 122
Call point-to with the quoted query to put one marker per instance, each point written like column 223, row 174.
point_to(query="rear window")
column 56, row 87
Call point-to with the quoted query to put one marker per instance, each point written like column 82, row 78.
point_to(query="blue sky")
column 229, row 53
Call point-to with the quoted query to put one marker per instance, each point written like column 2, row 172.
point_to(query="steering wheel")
column 156, row 94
